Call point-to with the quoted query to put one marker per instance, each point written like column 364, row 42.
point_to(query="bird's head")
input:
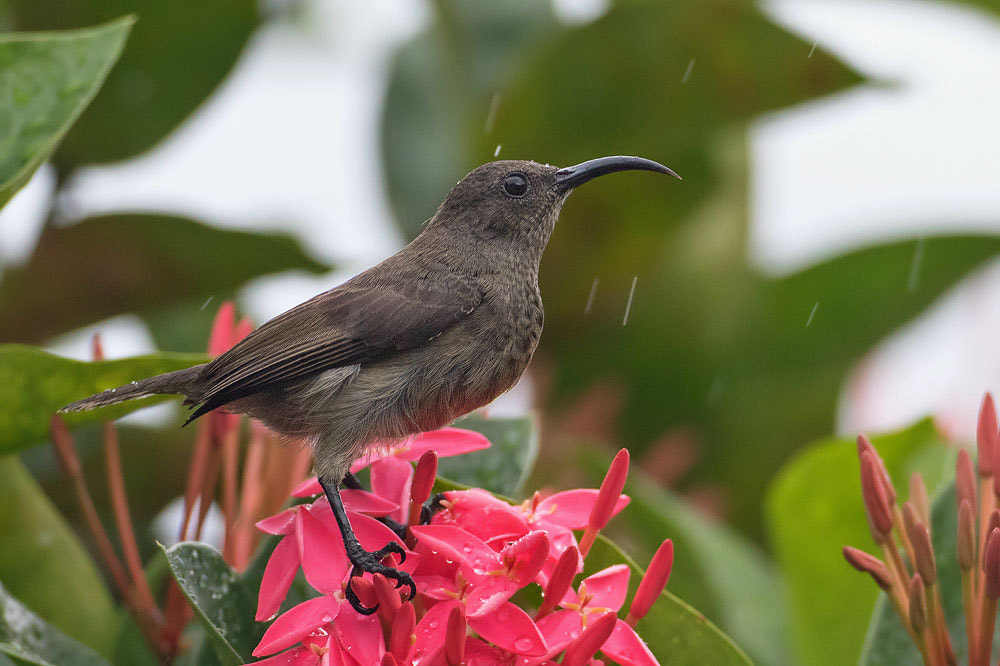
column 518, row 201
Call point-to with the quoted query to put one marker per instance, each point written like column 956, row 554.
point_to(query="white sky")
column 290, row 142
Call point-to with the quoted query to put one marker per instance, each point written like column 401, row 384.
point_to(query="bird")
column 433, row 332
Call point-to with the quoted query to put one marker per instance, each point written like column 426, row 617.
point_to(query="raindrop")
column 812, row 50
column 590, row 298
column 812, row 314
column 918, row 260
column 492, row 115
column 687, row 72
column 207, row 301
column 523, row 644
column 628, row 306
column 496, row 152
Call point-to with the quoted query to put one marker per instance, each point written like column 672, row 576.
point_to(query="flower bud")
column 611, row 490
column 387, row 597
column 918, row 496
column 876, row 502
column 966, row 541
column 562, row 577
column 657, row 575
column 869, row 564
column 403, row 633
column 965, row 479
column 987, row 436
column 918, row 605
column 865, row 445
column 389, row 660
column 590, row 640
column 991, row 564
column 923, row 554
column 423, row 477
column 454, row 638
column 910, row 518
column 364, row 589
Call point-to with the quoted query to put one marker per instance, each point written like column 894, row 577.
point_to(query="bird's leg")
column 353, row 482
column 363, row 560
column 430, row 507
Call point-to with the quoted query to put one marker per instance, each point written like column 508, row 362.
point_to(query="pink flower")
column 597, row 595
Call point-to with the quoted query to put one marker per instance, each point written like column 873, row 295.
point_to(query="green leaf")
column 814, row 509
column 221, row 601
column 105, row 266
column 43, row 563
column 27, row 638
column 674, row 631
column 46, row 80
column 176, row 56
column 502, row 468
column 887, row 642
column 34, row 384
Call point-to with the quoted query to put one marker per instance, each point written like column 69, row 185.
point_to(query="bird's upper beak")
column 574, row 176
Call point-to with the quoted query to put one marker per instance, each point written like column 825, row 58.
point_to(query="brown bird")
column 434, row 332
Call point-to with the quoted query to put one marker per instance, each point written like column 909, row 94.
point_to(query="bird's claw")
column 371, row 562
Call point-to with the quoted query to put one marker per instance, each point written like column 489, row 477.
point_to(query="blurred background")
column 827, row 265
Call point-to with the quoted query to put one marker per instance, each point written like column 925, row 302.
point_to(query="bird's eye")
column 515, row 184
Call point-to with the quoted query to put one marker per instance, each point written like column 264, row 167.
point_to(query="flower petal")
column 278, row 576
column 279, row 523
column 512, row 629
column 360, row 636
column 297, row 623
column 560, row 629
column 447, row 442
column 371, row 534
column 571, row 508
column 478, row 653
column 324, row 561
column 299, row 656
column 529, row 554
column 308, row 488
column 488, row 597
column 626, row 648
column 481, row 514
column 391, row 479
column 367, row 503
column 476, row 557
column 609, row 586
column 431, row 632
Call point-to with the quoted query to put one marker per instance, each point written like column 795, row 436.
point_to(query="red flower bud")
column 387, row 597
column 918, row 495
column 876, row 501
column 987, row 436
column 965, row 479
column 653, row 582
column 364, row 589
column 454, row 638
column 918, row 605
column 865, row 445
column 423, row 477
column 910, row 518
column 389, row 660
column 590, row 641
column 562, row 577
column 869, row 564
column 991, row 564
column 966, row 541
column 611, row 490
column 403, row 633
column 923, row 553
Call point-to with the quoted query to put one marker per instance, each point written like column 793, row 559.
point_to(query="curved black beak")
column 574, row 176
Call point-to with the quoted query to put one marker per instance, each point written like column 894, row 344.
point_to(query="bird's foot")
column 371, row 562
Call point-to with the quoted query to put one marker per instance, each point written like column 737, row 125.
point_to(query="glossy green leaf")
column 46, row 80
column 502, row 468
column 27, row 638
column 222, row 603
column 177, row 54
column 44, row 565
column 105, row 266
column 814, row 509
column 34, row 384
column 674, row 631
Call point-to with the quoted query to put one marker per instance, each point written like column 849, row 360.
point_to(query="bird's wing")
column 351, row 324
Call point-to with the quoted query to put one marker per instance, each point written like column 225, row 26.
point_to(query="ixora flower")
column 472, row 558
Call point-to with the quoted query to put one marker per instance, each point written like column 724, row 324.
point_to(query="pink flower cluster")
column 476, row 553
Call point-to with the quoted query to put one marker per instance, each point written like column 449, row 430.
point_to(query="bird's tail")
column 182, row 382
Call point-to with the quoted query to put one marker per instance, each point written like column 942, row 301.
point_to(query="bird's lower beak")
column 574, row 176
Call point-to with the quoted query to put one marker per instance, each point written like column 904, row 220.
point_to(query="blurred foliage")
column 178, row 53
column 712, row 345
column 46, row 80
column 43, row 564
column 505, row 465
column 109, row 265
column 34, row 384
column 814, row 509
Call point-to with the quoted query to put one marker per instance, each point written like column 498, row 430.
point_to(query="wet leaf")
column 46, row 81
column 223, row 604
column 44, row 565
column 34, row 384
column 505, row 465
column 105, row 266
column 26, row 638
column 176, row 56
column 814, row 509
